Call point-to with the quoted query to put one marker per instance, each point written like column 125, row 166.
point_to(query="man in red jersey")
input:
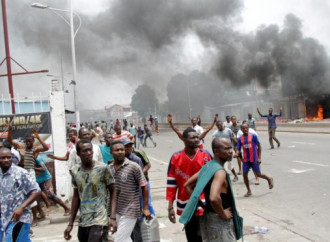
column 182, row 166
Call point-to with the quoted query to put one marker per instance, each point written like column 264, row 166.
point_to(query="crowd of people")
column 111, row 186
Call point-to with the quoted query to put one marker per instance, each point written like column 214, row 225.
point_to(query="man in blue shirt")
column 105, row 149
column 271, row 125
column 17, row 191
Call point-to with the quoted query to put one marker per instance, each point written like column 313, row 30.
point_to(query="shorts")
column 47, row 187
column 254, row 165
column 18, row 232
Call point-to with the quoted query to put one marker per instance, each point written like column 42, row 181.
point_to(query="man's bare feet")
column 67, row 213
column 257, row 182
column 248, row 194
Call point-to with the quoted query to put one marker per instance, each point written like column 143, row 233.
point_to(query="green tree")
column 144, row 100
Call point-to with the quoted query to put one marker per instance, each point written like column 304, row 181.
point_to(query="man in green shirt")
column 90, row 182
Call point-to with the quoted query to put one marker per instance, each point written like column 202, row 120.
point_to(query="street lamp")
column 73, row 50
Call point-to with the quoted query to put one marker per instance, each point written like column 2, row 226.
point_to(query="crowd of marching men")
column 111, row 186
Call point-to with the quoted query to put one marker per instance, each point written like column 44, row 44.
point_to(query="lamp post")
column 73, row 50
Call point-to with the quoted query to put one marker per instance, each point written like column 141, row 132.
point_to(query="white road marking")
column 310, row 163
column 300, row 171
column 55, row 238
column 303, row 143
column 162, row 225
column 159, row 161
column 292, row 146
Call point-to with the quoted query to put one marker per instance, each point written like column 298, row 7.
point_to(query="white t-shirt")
column 251, row 131
column 227, row 125
column 199, row 130
column 75, row 159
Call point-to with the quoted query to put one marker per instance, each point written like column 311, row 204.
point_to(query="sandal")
column 271, row 183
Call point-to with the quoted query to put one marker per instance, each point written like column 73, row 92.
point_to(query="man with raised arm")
column 73, row 137
column 29, row 154
column 200, row 131
column 271, row 125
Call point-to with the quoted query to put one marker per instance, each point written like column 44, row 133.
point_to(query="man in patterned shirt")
column 17, row 191
column 90, row 181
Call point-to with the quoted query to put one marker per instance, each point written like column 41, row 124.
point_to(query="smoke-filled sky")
column 124, row 43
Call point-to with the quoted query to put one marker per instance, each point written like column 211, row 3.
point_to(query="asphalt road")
column 300, row 168
column 298, row 205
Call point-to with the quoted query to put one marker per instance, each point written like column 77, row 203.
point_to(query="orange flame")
column 319, row 114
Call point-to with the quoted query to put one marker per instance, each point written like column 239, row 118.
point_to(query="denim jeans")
column 215, row 229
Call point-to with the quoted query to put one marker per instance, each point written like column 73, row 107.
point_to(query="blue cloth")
column 254, row 165
column 44, row 175
column 249, row 149
column 18, row 232
column 105, row 151
column 271, row 120
column 132, row 130
column 1, row 231
column 133, row 157
column 141, row 134
column 151, row 208
column 16, row 186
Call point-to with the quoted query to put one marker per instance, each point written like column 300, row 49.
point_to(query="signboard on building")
column 23, row 125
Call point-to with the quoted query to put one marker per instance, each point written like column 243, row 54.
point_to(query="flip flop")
column 271, row 183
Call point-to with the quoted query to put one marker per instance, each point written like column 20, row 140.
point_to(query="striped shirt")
column 249, row 145
column 124, row 134
column 128, row 179
column 28, row 160
column 180, row 169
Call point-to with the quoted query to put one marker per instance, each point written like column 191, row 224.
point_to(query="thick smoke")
column 301, row 63
column 141, row 41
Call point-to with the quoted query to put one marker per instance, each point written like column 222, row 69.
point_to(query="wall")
column 63, row 181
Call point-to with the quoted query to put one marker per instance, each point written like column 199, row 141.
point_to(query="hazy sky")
column 39, row 39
